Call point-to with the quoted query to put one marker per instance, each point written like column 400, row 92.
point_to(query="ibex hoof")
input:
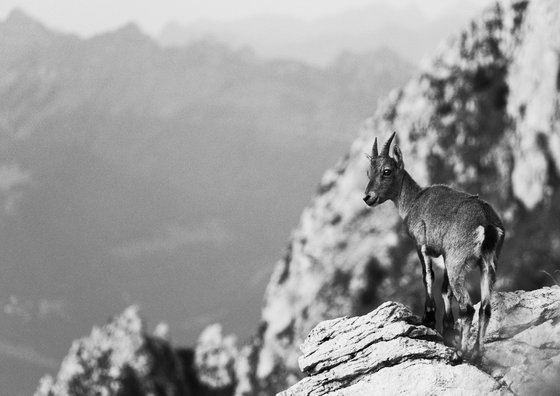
column 457, row 357
column 450, row 336
column 429, row 319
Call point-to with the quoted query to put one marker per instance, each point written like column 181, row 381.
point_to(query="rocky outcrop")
column 478, row 117
column 214, row 359
column 121, row 358
column 385, row 352
column 118, row 358
column 389, row 352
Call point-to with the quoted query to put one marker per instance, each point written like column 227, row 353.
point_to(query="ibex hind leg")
column 448, row 325
column 487, row 279
column 457, row 268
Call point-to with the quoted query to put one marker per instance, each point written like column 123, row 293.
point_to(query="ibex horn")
column 374, row 149
column 387, row 145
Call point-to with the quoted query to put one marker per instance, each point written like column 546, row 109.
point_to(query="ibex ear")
column 398, row 156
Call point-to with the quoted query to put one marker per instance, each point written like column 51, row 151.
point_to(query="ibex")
column 461, row 228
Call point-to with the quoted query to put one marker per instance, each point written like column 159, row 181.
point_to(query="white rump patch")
column 478, row 239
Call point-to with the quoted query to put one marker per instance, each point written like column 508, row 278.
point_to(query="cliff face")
column 482, row 116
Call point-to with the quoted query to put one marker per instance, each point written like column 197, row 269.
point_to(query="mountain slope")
column 481, row 116
column 134, row 173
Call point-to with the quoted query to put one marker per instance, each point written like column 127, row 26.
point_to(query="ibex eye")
column 387, row 172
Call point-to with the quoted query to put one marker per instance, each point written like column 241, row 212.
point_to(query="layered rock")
column 386, row 352
column 478, row 117
column 389, row 352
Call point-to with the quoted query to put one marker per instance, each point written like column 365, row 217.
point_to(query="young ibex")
column 461, row 228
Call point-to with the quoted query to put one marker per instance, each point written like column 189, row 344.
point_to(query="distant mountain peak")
column 131, row 28
column 19, row 30
column 22, row 20
column 129, row 32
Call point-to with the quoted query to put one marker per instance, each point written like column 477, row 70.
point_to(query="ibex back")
column 460, row 227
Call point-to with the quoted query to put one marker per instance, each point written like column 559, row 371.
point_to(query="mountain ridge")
column 468, row 118
column 319, row 41
column 144, row 169
column 480, row 116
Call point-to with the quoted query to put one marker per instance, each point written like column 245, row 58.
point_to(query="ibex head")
column 385, row 174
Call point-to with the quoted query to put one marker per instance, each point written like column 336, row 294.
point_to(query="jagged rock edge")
column 407, row 335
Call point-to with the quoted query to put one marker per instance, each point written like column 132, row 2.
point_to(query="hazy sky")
column 87, row 17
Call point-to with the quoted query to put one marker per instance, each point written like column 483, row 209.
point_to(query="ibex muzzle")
column 371, row 199
column 460, row 227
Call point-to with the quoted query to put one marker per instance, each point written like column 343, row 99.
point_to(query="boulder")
column 385, row 352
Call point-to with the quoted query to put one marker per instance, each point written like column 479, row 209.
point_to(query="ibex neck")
column 407, row 195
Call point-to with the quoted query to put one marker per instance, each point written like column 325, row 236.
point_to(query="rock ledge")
column 387, row 351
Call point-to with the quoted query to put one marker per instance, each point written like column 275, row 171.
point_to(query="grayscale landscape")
column 195, row 196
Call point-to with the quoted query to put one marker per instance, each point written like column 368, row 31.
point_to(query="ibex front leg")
column 429, row 318
column 448, row 320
